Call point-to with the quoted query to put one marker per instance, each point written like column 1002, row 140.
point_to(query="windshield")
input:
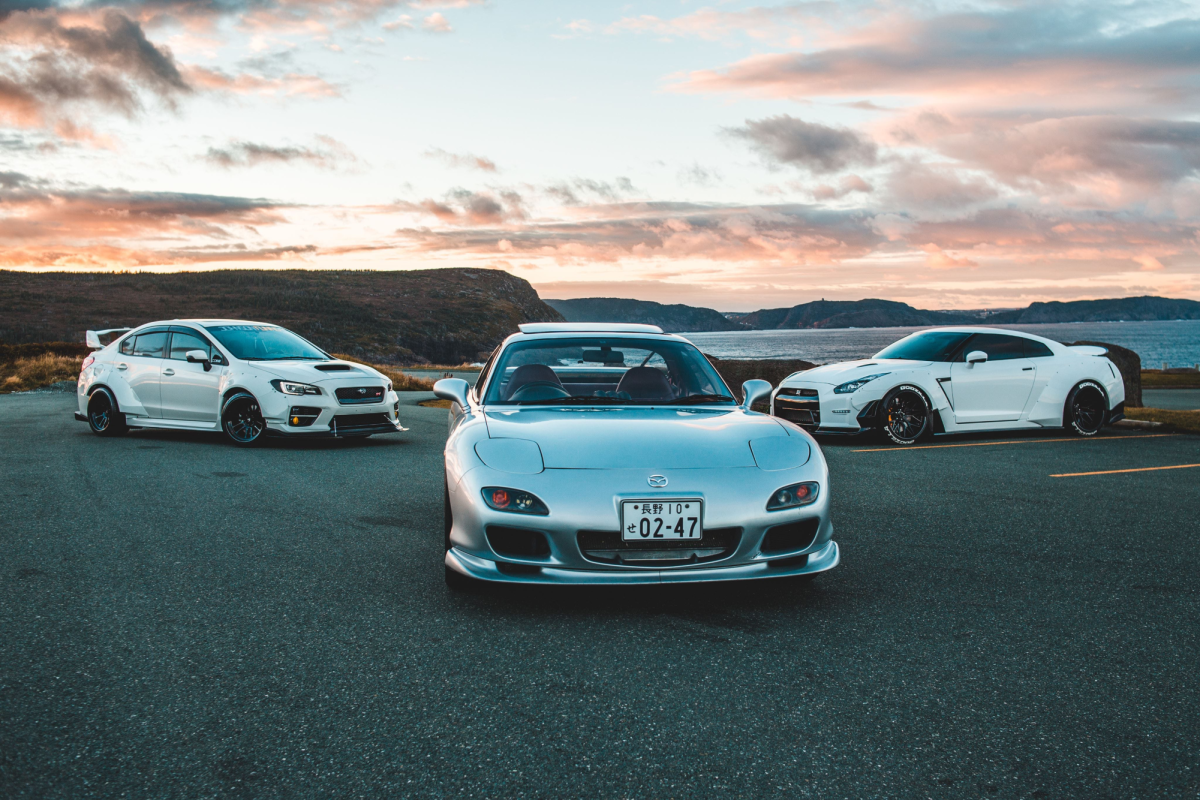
column 604, row 371
column 925, row 346
column 265, row 343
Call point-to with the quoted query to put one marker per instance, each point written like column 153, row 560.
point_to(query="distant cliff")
column 671, row 318
column 445, row 316
column 1124, row 308
column 852, row 314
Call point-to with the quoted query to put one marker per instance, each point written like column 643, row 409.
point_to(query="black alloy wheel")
column 104, row 417
column 905, row 415
column 242, row 420
column 1086, row 409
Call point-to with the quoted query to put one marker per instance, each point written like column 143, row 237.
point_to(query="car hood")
column 850, row 370
column 307, row 372
column 653, row 438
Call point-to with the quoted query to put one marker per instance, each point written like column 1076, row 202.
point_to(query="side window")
column 998, row 346
column 127, row 346
column 1036, row 349
column 181, row 343
column 483, row 373
column 150, row 345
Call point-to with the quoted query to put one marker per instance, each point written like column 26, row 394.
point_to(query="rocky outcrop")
column 1129, row 364
column 671, row 318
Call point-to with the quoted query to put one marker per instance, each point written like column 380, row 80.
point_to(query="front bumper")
column 322, row 416
column 485, row 569
column 820, row 410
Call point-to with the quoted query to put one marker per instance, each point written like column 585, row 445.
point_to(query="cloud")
column 578, row 191
column 696, row 175
column 287, row 85
column 436, row 23
column 819, row 148
column 328, row 154
column 1076, row 53
column 774, row 23
column 50, row 68
column 464, row 160
column 464, row 207
column 847, row 185
column 918, row 186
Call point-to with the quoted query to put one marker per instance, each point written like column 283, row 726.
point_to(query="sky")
column 730, row 155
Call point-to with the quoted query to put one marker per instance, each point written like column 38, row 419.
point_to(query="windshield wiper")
column 702, row 398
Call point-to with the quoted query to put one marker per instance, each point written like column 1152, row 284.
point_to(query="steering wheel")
column 538, row 390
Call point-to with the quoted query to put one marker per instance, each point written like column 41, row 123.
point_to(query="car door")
column 189, row 392
column 139, row 364
column 995, row 390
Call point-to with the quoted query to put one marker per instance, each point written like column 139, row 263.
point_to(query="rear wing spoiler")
column 1088, row 350
column 93, row 337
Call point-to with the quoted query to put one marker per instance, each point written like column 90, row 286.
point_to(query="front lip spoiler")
column 484, row 569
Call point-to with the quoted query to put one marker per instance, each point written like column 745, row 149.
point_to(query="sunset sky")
column 731, row 155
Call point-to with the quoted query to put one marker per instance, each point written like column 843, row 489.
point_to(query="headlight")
column 794, row 496
column 513, row 500
column 855, row 385
column 291, row 387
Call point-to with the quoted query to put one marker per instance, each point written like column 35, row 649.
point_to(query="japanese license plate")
column 660, row 520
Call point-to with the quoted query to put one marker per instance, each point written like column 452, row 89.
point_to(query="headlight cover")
column 514, row 501
column 794, row 496
column 292, row 387
column 854, row 385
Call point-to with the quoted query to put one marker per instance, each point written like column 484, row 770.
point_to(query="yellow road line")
column 1014, row 441
column 1115, row 471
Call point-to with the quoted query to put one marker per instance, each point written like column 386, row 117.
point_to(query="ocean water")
column 1175, row 342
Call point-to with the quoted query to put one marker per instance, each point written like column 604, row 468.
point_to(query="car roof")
column 587, row 327
column 985, row 329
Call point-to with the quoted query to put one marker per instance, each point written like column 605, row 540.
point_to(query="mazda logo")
column 656, row 480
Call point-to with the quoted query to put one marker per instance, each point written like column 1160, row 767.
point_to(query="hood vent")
column 333, row 367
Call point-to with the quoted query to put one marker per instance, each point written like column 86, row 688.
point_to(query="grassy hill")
column 446, row 316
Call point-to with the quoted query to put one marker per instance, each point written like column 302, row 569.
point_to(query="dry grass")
column 1188, row 421
column 24, row 374
column 401, row 382
column 1157, row 379
column 437, row 402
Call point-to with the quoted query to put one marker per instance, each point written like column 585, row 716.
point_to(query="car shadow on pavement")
column 212, row 439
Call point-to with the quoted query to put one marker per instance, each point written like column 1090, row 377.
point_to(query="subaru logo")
column 362, row 391
column 656, row 480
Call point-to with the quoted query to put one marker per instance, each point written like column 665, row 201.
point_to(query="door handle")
column 168, row 371
column 1026, row 369
column 122, row 366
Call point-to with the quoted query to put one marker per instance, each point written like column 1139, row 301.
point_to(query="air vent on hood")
column 333, row 367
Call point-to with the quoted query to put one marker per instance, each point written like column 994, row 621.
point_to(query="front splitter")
column 484, row 569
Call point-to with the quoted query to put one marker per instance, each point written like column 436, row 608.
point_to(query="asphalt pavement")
column 182, row 618
column 1174, row 399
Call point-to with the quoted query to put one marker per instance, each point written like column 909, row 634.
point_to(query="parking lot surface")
column 184, row 618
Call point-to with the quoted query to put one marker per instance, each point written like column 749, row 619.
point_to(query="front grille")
column 804, row 410
column 791, row 536
column 359, row 395
column 607, row 547
column 361, row 424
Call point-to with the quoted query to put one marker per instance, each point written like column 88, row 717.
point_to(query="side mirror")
column 198, row 357
column 456, row 390
column 976, row 357
column 753, row 391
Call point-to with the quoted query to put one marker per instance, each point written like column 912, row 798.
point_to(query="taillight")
column 87, row 362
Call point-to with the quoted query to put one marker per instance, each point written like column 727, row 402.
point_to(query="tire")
column 104, row 415
column 447, row 512
column 904, row 415
column 1086, row 409
column 242, row 420
column 457, row 582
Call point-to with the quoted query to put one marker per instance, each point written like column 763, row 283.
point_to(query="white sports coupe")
column 248, row 379
column 598, row 453
column 951, row 380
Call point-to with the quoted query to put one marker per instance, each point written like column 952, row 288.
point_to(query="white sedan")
column 248, row 379
column 951, row 380
column 598, row 453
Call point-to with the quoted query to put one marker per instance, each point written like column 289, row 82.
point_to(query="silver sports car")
column 599, row 453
